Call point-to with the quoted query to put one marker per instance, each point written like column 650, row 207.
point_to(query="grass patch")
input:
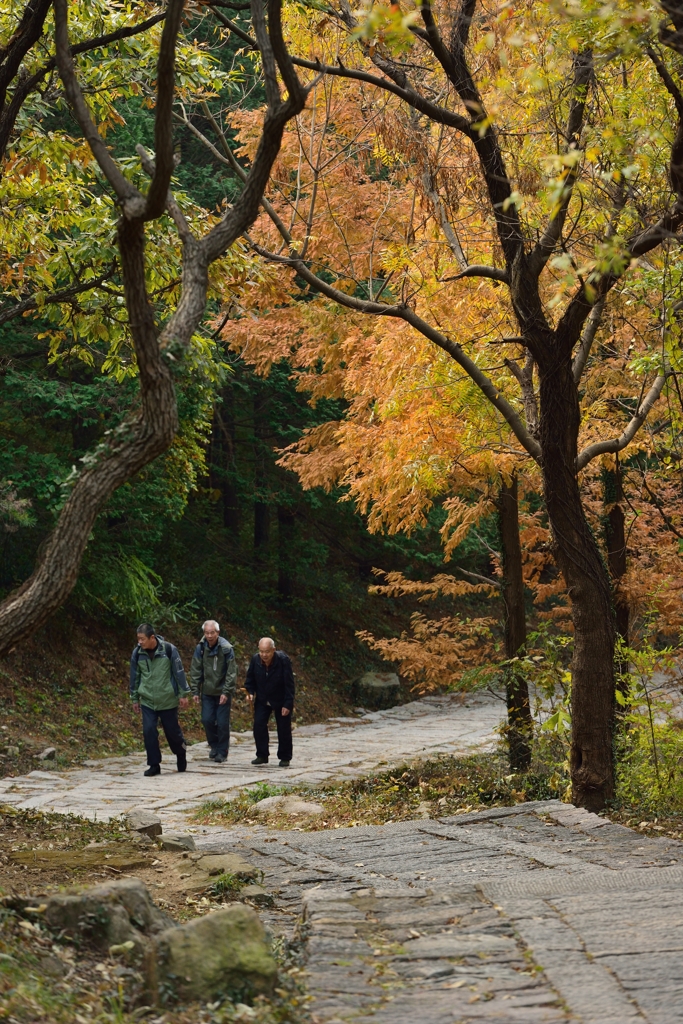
column 226, row 885
column 434, row 788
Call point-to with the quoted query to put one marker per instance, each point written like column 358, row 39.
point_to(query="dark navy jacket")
column 274, row 684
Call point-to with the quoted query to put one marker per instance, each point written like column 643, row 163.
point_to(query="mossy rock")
column 220, row 954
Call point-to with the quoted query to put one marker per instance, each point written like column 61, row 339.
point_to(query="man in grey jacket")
column 213, row 676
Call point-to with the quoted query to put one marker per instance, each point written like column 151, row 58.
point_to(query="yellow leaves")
column 438, row 652
column 461, row 517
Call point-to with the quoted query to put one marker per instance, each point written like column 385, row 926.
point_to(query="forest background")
column 315, row 446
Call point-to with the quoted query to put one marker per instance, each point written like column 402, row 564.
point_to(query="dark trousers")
column 284, row 731
column 216, row 722
column 172, row 731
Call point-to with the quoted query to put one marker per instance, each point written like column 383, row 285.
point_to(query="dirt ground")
column 48, row 979
column 45, row 853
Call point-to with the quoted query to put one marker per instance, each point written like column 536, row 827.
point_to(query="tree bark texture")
column 520, row 725
column 587, row 581
column 615, row 537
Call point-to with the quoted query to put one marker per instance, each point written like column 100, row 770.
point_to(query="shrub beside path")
column 530, row 914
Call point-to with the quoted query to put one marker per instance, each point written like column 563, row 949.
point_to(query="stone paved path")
column 339, row 748
column 519, row 915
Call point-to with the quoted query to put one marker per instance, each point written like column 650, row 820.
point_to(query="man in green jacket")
column 213, row 675
column 157, row 680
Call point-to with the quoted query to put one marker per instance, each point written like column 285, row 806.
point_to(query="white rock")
column 47, row 755
column 287, row 805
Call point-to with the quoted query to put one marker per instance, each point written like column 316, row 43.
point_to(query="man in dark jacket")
column 213, row 675
column 157, row 680
column 270, row 684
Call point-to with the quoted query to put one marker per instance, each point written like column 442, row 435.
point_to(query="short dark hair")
column 147, row 628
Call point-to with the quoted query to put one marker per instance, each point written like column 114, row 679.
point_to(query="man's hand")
column 223, row 698
column 136, row 708
column 183, row 702
column 285, row 712
column 196, row 698
column 250, row 696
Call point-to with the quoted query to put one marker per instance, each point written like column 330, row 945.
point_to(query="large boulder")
column 378, row 689
column 223, row 953
column 107, row 915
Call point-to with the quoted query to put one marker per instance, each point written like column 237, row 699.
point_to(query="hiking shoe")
column 182, row 763
column 153, row 769
column 284, row 764
column 220, row 759
column 260, row 760
column 212, row 754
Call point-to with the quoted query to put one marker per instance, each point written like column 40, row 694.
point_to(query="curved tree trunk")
column 135, row 443
column 149, row 431
column 587, row 581
column 520, row 724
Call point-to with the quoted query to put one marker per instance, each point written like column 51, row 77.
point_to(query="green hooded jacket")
column 157, row 677
column 214, row 669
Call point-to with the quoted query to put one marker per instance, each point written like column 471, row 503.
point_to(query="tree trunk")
column 587, row 581
column 261, row 459
column 520, row 724
column 615, row 537
column 133, row 445
column 285, row 576
column 223, row 460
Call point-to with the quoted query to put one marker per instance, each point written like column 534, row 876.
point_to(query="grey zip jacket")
column 214, row 669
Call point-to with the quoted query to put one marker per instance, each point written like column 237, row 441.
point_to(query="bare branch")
column 482, row 579
column 475, row 270
column 163, row 118
column 587, row 339
column 405, row 313
column 27, row 85
column 583, row 72
column 284, row 61
column 525, row 377
column 132, row 201
column 271, row 86
column 616, row 444
column 437, row 113
column 234, row 27
column 666, row 78
column 442, row 217
column 244, row 211
column 28, row 32
column 462, row 23
column 174, row 211
column 64, row 295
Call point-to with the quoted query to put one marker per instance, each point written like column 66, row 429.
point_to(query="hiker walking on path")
column 157, row 680
column 213, row 675
column 270, row 684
